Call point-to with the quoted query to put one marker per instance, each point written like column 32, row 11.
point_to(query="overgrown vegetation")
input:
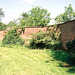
column 23, row 61
column 68, row 15
column 1, row 14
column 2, row 26
column 37, row 16
column 46, row 39
column 71, row 47
column 13, row 37
column 12, row 23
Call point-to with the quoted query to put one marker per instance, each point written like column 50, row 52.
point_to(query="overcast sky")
column 14, row 8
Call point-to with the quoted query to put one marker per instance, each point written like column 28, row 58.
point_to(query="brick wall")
column 30, row 30
column 67, row 32
column 2, row 33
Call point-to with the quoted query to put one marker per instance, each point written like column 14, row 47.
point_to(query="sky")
column 14, row 8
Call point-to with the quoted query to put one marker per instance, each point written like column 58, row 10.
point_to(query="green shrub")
column 12, row 37
column 71, row 47
column 44, row 40
column 3, row 26
column 57, row 46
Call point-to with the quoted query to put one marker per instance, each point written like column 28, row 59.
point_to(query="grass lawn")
column 15, row 61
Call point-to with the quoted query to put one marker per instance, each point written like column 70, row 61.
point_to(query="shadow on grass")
column 67, row 60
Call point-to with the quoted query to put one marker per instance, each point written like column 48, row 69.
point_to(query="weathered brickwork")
column 67, row 32
column 2, row 34
column 29, row 30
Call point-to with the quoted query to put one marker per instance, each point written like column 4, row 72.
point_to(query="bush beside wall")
column 12, row 37
column 71, row 47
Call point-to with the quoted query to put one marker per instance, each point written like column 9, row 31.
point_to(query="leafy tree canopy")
column 37, row 16
column 3, row 26
column 1, row 14
column 12, row 23
column 68, row 15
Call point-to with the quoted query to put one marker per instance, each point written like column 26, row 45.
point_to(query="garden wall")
column 30, row 30
column 67, row 31
column 2, row 34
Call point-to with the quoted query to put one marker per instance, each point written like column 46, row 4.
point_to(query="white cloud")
column 28, row 1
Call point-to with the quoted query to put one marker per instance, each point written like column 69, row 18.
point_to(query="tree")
column 3, row 26
column 68, row 15
column 1, row 14
column 40, row 16
column 24, row 19
column 35, row 17
column 12, row 23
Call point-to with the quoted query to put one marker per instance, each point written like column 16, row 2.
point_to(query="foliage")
column 12, row 37
column 45, row 40
column 3, row 26
column 71, row 47
column 12, row 23
column 1, row 14
column 35, row 17
column 41, row 40
column 24, row 19
column 68, row 15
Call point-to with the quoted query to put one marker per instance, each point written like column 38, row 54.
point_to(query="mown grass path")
column 15, row 61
